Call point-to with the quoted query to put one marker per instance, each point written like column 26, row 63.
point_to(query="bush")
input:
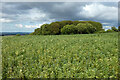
column 31, row 33
column 69, row 29
column 18, row 35
column 101, row 31
column 109, row 30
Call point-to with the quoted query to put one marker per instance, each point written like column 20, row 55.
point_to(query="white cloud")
column 5, row 20
column 105, row 23
column 107, row 27
column 99, row 11
column 32, row 26
column 36, row 26
column 19, row 25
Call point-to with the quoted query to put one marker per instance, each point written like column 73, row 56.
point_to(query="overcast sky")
column 27, row 16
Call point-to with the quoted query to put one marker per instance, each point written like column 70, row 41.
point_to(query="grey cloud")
column 52, row 10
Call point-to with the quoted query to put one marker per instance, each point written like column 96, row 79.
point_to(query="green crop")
column 60, row 56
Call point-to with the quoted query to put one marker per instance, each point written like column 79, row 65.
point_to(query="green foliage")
column 56, row 27
column 31, row 33
column 37, row 31
column 119, row 28
column 69, row 29
column 97, row 25
column 63, row 23
column 85, row 28
column 63, row 56
column 109, row 30
column 76, row 22
column 18, row 35
column 101, row 31
column 44, row 29
column 114, row 29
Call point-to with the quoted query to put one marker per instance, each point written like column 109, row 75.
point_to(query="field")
column 60, row 56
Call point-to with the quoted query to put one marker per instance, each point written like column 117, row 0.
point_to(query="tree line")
column 71, row 27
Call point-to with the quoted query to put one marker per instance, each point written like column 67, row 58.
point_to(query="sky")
column 27, row 16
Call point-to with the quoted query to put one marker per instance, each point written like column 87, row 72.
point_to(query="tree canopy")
column 68, row 27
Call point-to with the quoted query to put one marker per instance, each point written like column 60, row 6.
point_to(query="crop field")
column 60, row 56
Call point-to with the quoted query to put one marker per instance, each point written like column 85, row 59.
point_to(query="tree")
column 85, row 28
column 37, row 31
column 97, row 25
column 44, row 29
column 109, row 30
column 69, row 29
column 119, row 28
column 114, row 29
column 54, row 28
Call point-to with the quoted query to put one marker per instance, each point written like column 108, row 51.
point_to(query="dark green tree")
column 114, row 29
column 109, row 30
column 54, row 28
column 69, row 29
column 44, row 29
column 119, row 28
column 85, row 28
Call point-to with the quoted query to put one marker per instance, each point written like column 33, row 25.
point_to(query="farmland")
column 60, row 56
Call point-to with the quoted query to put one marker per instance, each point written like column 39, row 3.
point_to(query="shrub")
column 18, row 35
column 109, row 30
column 31, row 33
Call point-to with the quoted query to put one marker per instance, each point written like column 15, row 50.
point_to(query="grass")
column 60, row 56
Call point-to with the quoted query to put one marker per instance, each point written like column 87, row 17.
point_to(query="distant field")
column 60, row 56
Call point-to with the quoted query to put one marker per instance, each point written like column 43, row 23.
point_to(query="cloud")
column 28, row 26
column 107, row 27
column 36, row 26
column 3, row 20
column 99, row 12
column 19, row 25
column 33, row 26
column 105, row 23
column 32, row 14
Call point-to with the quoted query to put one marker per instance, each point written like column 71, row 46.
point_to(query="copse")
column 74, row 27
